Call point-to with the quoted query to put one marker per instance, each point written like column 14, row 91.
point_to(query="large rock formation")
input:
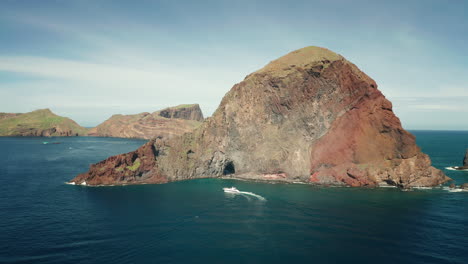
column 309, row 116
column 186, row 111
column 172, row 121
column 39, row 123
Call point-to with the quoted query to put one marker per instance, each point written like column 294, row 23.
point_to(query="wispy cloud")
column 441, row 107
column 435, row 102
column 95, row 55
column 77, row 70
column 126, row 76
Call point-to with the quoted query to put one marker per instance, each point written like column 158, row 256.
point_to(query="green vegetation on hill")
column 182, row 106
column 37, row 123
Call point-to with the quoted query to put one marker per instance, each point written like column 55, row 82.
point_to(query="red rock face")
column 368, row 146
column 310, row 116
column 130, row 168
column 365, row 146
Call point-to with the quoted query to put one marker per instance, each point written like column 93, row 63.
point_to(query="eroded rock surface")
column 309, row 116
column 166, row 123
column 187, row 112
column 138, row 166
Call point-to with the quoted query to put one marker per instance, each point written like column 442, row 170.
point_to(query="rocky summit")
column 310, row 116
column 166, row 123
column 42, row 122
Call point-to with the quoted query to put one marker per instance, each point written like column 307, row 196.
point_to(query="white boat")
column 231, row 190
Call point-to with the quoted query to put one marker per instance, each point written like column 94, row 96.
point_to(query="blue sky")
column 90, row 59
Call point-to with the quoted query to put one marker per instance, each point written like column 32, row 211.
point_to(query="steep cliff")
column 166, row 123
column 187, row 112
column 309, row 116
column 39, row 123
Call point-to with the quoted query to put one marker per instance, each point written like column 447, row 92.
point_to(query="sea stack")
column 465, row 160
column 310, row 116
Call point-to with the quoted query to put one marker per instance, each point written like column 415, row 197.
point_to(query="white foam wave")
column 422, row 188
column 455, row 168
column 70, row 183
column 446, row 188
column 298, row 182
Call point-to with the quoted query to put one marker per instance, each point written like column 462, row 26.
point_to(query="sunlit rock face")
column 166, row 123
column 309, row 116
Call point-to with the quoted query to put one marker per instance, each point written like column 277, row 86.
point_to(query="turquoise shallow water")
column 42, row 220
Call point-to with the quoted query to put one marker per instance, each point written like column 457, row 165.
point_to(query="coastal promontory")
column 310, row 116
column 42, row 122
column 165, row 123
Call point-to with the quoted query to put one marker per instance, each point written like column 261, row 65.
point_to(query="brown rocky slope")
column 309, row 116
column 166, row 123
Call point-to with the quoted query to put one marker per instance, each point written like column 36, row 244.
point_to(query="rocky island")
column 166, row 123
column 310, row 116
column 465, row 164
column 41, row 122
column 465, row 159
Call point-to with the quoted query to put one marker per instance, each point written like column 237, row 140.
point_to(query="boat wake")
column 254, row 195
column 234, row 191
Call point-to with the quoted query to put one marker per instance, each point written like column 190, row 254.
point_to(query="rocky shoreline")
column 451, row 188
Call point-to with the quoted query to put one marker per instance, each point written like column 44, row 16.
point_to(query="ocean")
column 43, row 220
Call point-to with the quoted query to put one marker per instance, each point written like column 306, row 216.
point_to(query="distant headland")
column 165, row 123
column 41, row 123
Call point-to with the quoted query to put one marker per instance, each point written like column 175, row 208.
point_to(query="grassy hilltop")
column 41, row 122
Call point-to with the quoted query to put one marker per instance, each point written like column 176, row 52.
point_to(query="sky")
column 88, row 60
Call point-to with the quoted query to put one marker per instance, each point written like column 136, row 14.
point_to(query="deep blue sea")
column 43, row 220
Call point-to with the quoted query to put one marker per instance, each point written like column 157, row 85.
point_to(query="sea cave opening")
column 229, row 168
